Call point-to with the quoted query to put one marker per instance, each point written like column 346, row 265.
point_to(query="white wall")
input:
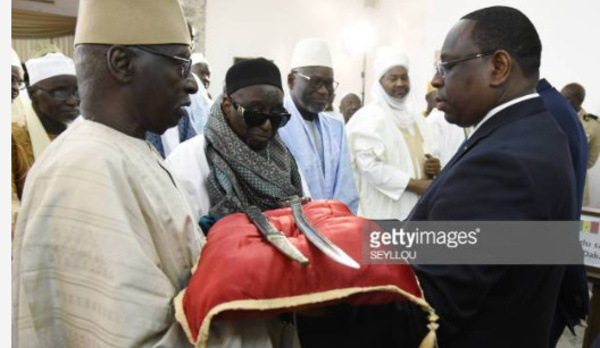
column 271, row 28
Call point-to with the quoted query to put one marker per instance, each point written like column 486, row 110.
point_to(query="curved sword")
column 320, row 241
column 275, row 237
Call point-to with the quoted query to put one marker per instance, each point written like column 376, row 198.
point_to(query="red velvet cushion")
column 238, row 264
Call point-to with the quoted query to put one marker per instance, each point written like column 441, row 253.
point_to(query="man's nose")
column 401, row 83
column 437, row 81
column 267, row 127
column 323, row 90
column 72, row 100
column 190, row 86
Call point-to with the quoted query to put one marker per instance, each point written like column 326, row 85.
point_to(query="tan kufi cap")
column 311, row 52
column 131, row 22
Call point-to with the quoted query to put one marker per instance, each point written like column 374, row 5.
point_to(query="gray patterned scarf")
column 239, row 176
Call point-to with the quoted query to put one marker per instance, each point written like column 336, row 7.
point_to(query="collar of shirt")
column 501, row 107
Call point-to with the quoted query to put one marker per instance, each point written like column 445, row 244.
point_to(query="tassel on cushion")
column 430, row 340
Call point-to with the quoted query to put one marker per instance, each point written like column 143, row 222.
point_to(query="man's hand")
column 418, row 186
column 305, row 200
column 432, row 166
column 285, row 202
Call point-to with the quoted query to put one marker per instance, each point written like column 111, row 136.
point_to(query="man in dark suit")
column 515, row 166
column 573, row 298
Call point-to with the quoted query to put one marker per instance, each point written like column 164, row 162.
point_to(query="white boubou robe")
column 382, row 162
column 448, row 136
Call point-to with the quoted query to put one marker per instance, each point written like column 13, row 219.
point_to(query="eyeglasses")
column 315, row 83
column 62, row 93
column 442, row 68
column 186, row 64
column 256, row 119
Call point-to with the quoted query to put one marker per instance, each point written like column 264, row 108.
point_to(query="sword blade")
column 319, row 240
column 275, row 237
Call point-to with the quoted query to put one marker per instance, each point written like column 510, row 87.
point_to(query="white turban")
column 386, row 58
column 311, row 52
column 397, row 108
column 50, row 65
column 198, row 58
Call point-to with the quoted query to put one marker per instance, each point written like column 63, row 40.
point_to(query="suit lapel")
column 512, row 113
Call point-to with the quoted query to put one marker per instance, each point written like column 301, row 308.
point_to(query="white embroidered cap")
column 50, row 65
column 312, row 52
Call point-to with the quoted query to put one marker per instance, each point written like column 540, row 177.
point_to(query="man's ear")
column 120, row 63
column 502, row 64
column 226, row 106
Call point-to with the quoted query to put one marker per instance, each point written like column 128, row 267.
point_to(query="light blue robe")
column 329, row 174
column 200, row 107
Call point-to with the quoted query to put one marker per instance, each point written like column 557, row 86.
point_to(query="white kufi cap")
column 312, row 52
column 50, row 65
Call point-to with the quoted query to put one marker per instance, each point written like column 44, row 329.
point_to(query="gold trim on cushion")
column 297, row 301
column 180, row 315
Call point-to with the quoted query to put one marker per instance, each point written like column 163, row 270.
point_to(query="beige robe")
column 591, row 127
column 29, row 140
column 104, row 241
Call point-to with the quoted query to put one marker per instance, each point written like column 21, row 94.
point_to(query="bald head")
column 349, row 105
column 575, row 94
